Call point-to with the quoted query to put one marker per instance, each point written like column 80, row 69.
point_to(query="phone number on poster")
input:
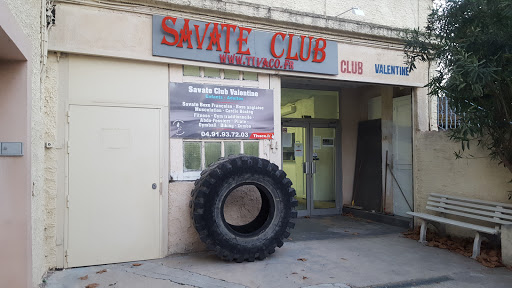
column 225, row 134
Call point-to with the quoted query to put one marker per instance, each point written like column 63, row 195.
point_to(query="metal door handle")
column 313, row 167
column 305, row 167
column 154, row 186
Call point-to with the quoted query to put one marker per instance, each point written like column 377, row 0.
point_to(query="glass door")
column 310, row 159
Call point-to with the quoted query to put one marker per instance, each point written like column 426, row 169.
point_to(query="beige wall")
column 437, row 171
column 15, row 234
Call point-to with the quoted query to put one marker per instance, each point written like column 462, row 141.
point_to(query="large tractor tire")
column 258, row 238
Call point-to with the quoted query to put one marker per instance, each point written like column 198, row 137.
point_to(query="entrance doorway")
column 310, row 159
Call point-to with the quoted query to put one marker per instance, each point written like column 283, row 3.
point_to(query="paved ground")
column 334, row 252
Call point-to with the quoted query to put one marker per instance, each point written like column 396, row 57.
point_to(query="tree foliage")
column 470, row 42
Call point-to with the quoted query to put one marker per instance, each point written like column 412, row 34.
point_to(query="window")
column 197, row 155
column 207, row 72
column 188, row 157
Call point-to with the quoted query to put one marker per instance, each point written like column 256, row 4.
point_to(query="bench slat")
column 505, row 205
column 454, row 222
column 466, row 204
column 474, row 211
column 499, row 221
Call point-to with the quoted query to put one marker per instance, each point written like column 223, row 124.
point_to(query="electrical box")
column 11, row 149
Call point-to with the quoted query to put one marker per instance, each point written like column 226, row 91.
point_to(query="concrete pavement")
column 324, row 252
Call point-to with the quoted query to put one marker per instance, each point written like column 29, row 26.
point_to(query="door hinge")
column 68, row 147
column 67, row 201
column 68, row 115
column 66, row 257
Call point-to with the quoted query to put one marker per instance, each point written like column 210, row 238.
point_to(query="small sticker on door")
column 299, row 149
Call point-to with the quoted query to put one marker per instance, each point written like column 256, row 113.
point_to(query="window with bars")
column 446, row 117
column 197, row 155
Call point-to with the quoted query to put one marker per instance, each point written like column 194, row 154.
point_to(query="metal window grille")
column 446, row 117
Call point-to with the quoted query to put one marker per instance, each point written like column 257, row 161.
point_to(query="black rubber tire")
column 260, row 237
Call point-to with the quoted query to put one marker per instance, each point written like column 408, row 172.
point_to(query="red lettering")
column 343, row 66
column 302, row 48
column 354, row 67
column 271, row 63
column 258, row 61
column 185, row 35
column 277, row 64
column 273, row 43
column 242, row 40
column 222, row 58
column 290, row 41
column 265, row 62
column 170, row 31
column 239, row 59
column 360, row 68
column 228, row 33
column 200, row 42
column 214, row 38
column 318, row 49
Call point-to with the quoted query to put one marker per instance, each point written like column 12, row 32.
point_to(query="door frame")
column 309, row 124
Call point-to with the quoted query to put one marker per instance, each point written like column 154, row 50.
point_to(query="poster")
column 299, row 150
column 317, row 142
column 203, row 111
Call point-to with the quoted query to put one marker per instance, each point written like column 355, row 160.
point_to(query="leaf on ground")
column 92, row 285
column 136, row 264
column 294, row 272
column 101, row 271
column 302, row 259
column 304, row 277
column 343, row 259
column 346, row 231
column 355, row 233
column 84, row 277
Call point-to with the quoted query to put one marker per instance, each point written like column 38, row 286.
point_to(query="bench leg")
column 423, row 232
column 476, row 246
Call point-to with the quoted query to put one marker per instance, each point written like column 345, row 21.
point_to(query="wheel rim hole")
column 242, row 206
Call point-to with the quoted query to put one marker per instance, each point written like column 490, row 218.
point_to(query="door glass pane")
column 211, row 152
column 192, row 156
column 252, row 148
column 293, row 141
column 231, row 148
column 324, row 160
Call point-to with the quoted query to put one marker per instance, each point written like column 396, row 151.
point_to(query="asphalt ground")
column 334, row 251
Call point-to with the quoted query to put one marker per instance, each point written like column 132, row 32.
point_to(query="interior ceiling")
column 311, row 87
column 317, row 84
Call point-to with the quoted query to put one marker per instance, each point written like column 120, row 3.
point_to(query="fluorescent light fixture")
column 354, row 10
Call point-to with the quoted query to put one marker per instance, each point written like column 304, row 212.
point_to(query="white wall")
column 393, row 13
column 437, row 171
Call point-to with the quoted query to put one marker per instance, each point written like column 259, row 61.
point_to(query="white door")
column 402, row 156
column 114, row 209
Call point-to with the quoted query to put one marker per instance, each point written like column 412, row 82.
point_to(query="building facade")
column 132, row 99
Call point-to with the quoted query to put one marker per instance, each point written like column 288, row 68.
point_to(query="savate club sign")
column 241, row 46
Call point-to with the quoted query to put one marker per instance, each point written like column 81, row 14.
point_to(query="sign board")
column 241, row 46
column 198, row 111
column 378, row 65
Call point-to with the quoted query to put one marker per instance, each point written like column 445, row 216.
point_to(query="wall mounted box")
column 11, row 149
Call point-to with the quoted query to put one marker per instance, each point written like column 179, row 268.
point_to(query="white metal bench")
column 492, row 213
